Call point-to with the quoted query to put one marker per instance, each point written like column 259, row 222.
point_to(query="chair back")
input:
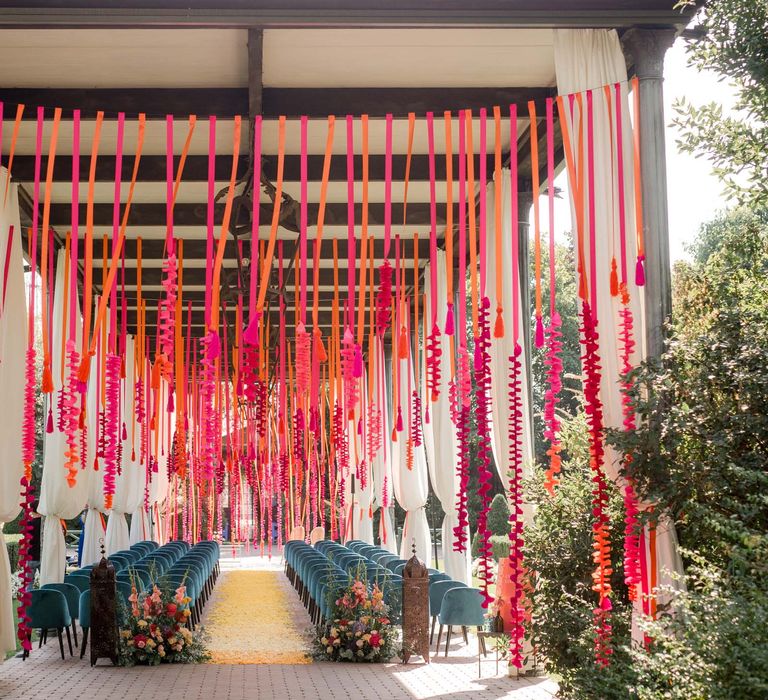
column 297, row 533
column 48, row 610
column 316, row 535
column 84, row 609
column 437, row 591
column 462, row 606
column 82, row 581
column 71, row 593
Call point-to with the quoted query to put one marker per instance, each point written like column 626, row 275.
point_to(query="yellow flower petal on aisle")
column 250, row 621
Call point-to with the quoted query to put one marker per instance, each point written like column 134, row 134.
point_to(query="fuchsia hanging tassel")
column 539, row 340
column 399, row 423
column 449, row 322
column 640, row 271
column 49, row 422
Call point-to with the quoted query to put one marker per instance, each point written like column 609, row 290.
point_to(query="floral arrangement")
column 156, row 630
column 359, row 629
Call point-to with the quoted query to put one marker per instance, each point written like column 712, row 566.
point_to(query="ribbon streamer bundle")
column 277, row 425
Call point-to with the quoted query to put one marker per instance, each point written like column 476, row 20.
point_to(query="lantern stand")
column 103, row 610
column 415, row 610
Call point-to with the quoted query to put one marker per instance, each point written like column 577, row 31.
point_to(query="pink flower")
column 181, row 591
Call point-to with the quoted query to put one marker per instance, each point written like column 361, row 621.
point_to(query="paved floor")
column 45, row 675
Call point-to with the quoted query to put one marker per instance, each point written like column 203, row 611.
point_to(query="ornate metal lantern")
column 103, row 611
column 415, row 609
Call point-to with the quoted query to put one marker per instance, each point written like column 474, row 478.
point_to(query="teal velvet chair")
column 72, row 594
column 461, row 607
column 82, row 581
column 49, row 610
column 84, row 607
column 437, row 591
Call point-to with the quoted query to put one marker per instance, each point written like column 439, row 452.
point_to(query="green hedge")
column 12, row 544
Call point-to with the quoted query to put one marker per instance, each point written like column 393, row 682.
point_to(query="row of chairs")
column 58, row 606
column 451, row 603
column 320, row 573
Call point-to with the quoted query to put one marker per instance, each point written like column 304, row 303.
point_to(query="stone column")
column 644, row 50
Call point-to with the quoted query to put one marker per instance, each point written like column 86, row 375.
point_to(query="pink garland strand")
column 554, row 366
column 515, row 431
column 111, row 435
column 464, row 387
column 482, row 394
column 602, row 548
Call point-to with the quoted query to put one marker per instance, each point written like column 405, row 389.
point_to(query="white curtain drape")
column 129, row 481
column 358, row 523
column 503, row 348
column 440, row 438
column 382, row 463
column 58, row 500
column 13, row 345
column 586, row 59
column 411, row 485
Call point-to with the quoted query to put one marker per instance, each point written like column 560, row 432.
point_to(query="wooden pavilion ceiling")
column 339, row 90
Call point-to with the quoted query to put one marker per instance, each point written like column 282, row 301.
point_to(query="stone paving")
column 45, row 675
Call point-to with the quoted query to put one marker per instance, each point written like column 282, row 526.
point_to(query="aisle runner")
column 251, row 620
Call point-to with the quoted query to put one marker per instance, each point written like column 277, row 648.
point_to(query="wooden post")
column 645, row 49
column 255, row 70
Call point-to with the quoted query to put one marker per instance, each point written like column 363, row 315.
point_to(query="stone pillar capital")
column 644, row 49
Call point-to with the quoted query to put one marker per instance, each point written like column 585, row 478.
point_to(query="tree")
column 733, row 42
column 699, row 449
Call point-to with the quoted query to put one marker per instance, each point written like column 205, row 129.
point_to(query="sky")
column 694, row 194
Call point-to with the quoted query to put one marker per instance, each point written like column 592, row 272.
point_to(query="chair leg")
column 439, row 635
column 432, row 632
column 74, row 632
column 448, row 639
column 69, row 641
column 61, row 644
column 464, row 633
column 40, row 642
column 85, row 642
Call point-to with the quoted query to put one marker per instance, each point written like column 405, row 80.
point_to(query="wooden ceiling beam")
column 152, row 167
column 314, row 103
column 154, row 214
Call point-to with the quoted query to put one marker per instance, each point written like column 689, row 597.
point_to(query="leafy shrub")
column 558, row 548
column 12, row 545
column 498, row 515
